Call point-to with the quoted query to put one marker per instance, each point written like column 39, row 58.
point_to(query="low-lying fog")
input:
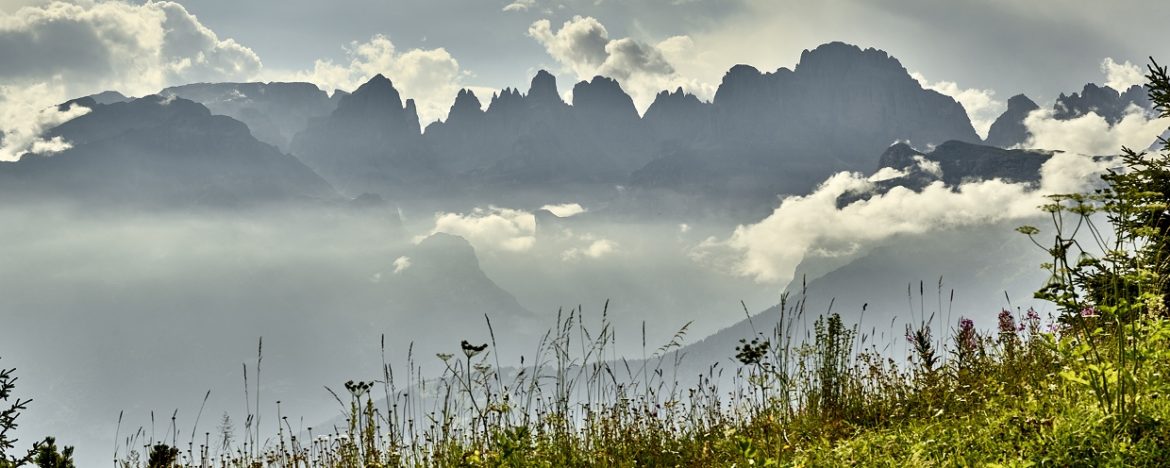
column 110, row 312
column 134, row 312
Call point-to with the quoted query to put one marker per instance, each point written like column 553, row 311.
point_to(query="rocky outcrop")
column 1008, row 130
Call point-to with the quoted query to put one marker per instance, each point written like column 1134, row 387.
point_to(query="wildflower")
column 1089, row 312
column 444, row 356
column 358, row 388
column 471, row 350
column 966, row 337
column 1032, row 315
column 1007, row 322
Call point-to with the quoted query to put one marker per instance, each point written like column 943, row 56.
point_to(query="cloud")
column 432, row 77
column 26, row 113
column 57, row 51
column 1091, row 134
column 596, row 249
column 583, row 46
column 520, row 5
column 401, row 264
column 565, row 210
column 981, row 105
column 1121, row 76
column 933, row 168
column 490, row 229
column 770, row 250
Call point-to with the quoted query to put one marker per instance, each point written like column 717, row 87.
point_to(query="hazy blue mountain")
column 1102, row 100
column 161, row 151
column 785, row 131
column 1008, row 130
column 274, row 112
column 370, row 143
column 444, row 284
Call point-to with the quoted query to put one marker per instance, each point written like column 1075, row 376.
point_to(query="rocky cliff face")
column 1008, row 130
column 677, row 119
column 370, row 143
column 785, row 131
column 161, row 151
column 537, row 140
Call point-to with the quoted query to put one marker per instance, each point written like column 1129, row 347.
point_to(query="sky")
column 980, row 51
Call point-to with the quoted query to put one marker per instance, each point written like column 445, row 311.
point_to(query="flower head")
column 1007, row 322
column 471, row 350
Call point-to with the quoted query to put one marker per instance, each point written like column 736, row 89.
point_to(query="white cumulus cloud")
column 770, row 250
column 432, row 77
column 520, row 5
column 1091, row 133
column 596, row 249
column 565, row 210
column 490, row 229
column 401, row 264
column 1121, row 76
column 981, row 105
column 583, row 47
column 58, row 50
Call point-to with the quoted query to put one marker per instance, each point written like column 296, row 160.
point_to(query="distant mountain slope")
column 440, row 281
column 160, row 151
column 274, row 112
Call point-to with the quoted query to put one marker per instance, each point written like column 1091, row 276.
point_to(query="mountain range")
column 763, row 134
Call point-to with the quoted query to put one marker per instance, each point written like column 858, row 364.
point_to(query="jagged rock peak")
column 741, row 82
column 1021, row 101
column 448, row 249
column 835, row 56
column 506, row 99
column 677, row 96
column 602, row 92
column 741, row 72
column 465, row 105
column 379, row 88
column 466, row 100
column 412, row 115
column 544, row 87
column 898, row 156
column 1008, row 130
